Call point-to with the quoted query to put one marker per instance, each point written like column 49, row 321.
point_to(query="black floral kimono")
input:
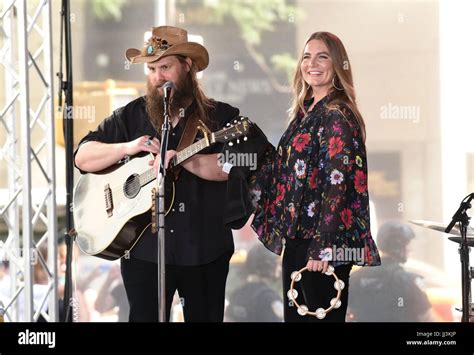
column 315, row 186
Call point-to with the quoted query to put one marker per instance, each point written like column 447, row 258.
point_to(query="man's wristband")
column 226, row 167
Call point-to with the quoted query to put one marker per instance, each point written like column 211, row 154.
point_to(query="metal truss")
column 28, row 204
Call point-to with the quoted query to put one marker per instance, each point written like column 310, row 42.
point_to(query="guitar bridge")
column 109, row 203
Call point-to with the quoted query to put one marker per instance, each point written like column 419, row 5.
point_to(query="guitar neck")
column 188, row 152
column 180, row 157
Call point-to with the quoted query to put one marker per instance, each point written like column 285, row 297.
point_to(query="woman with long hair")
column 312, row 194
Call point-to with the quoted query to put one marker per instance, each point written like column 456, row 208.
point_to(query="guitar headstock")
column 232, row 131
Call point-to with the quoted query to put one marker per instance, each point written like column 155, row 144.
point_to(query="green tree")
column 253, row 18
column 106, row 9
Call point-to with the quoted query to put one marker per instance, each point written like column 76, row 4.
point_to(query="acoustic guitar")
column 112, row 208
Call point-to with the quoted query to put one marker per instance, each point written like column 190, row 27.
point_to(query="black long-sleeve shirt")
column 195, row 231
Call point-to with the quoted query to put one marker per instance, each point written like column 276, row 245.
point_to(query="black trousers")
column 201, row 289
column 315, row 289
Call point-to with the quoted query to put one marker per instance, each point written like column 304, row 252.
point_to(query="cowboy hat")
column 166, row 41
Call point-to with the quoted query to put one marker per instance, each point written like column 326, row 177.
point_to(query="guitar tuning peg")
column 245, row 139
column 235, row 121
column 231, row 144
column 238, row 141
column 228, row 124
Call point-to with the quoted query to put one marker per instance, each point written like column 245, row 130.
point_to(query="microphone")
column 167, row 88
column 165, row 128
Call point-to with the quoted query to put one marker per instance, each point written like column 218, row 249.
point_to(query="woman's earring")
column 334, row 84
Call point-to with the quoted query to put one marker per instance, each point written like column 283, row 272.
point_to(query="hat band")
column 155, row 44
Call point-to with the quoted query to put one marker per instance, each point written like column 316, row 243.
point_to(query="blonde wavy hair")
column 343, row 80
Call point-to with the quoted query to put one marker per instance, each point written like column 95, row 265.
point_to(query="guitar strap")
column 188, row 136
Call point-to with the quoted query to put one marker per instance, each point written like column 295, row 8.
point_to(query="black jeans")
column 315, row 289
column 201, row 289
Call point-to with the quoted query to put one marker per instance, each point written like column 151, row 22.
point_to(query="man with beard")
column 198, row 246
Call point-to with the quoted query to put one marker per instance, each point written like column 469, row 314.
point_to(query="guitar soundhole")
column 131, row 188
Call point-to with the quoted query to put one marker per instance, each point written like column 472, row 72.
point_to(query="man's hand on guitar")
column 156, row 162
column 143, row 144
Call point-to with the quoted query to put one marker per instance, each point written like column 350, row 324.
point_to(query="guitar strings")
column 130, row 187
column 122, row 191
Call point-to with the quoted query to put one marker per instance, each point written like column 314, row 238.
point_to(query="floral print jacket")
column 315, row 186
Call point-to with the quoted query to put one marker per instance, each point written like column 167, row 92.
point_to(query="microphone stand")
column 463, row 219
column 67, row 87
column 160, row 210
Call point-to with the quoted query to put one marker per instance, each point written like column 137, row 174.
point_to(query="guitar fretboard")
column 181, row 156
column 188, row 152
column 147, row 177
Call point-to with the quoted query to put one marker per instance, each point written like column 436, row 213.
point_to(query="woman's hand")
column 317, row 265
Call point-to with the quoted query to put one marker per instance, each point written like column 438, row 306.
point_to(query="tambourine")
column 320, row 313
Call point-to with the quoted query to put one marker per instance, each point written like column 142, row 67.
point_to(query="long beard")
column 181, row 98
